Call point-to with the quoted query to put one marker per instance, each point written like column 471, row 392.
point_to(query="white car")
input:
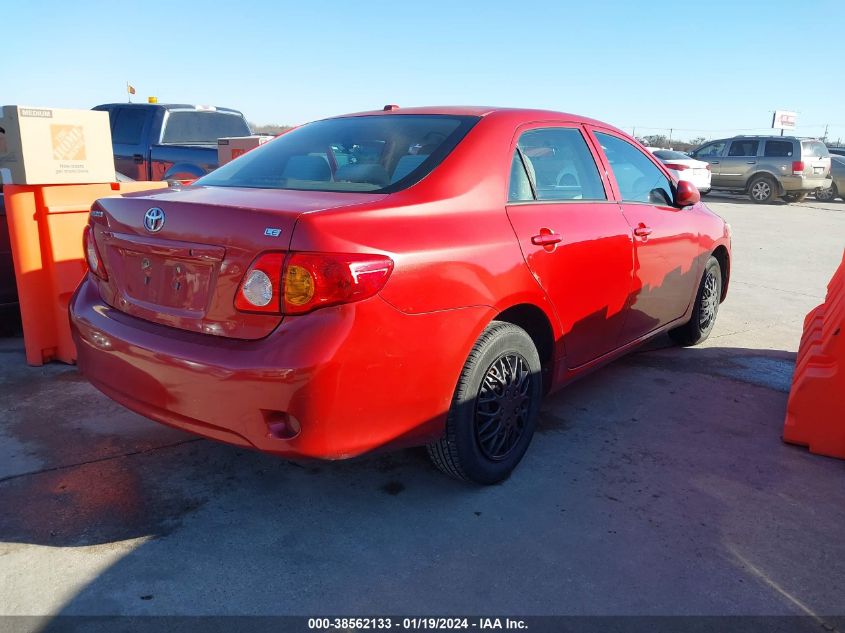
column 685, row 168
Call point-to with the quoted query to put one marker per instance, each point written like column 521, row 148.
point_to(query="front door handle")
column 642, row 231
column 714, row 162
column 547, row 238
column 751, row 162
column 138, row 158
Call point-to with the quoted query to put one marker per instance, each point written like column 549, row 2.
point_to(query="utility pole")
column 824, row 138
column 670, row 138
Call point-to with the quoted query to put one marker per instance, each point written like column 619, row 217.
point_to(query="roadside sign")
column 784, row 120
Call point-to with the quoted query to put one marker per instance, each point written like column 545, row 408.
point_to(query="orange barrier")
column 815, row 414
column 45, row 230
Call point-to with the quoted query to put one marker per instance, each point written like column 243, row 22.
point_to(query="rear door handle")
column 546, row 238
column 714, row 162
column 138, row 158
column 751, row 162
column 642, row 231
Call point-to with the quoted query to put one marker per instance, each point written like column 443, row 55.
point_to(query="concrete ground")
column 658, row 485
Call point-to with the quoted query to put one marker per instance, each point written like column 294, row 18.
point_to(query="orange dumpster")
column 45, row 230
column 815, row 413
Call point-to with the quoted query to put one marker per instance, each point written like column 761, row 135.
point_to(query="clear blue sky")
column 705, row 68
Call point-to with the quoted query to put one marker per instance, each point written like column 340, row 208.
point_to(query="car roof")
column 168, row 106
column 527, row 114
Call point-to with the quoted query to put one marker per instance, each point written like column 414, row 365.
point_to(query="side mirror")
column 686, row 195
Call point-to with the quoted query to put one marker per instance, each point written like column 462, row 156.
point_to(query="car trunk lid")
column 185, row 272
column 816, row 159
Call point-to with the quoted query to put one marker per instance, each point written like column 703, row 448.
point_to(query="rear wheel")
column 795, row 197
column 827, row 195
column 698, row 328
column 761, row 189
column 494, row 409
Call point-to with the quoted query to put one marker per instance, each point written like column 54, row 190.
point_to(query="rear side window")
column 778, row 149
column 375, row 153
column 197, row 126
column 560, row 165
column 638, row 178
column 814, row 149
column 128, row 125
column 743, row 148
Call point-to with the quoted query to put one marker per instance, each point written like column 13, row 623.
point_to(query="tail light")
column 677, row 167
column 707, row 167
column 307, row 281
column 92, row 254
column 797, row 167
column 261, row 288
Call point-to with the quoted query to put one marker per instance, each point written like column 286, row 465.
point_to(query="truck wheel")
column 703, row 318
column 761, row 189
column 827, row 195
column 494, row 409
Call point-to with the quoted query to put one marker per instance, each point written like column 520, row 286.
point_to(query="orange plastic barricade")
column 815, row 414
column 45, row 230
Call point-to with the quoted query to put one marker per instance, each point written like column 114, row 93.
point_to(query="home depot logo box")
column 47, row 146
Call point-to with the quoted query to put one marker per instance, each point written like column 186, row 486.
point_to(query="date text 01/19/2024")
column 415, row 623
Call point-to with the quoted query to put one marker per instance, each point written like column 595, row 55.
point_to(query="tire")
column 827, row 195
column 795, row 197
column 504, row 358
column 707, row 299
column 762, row 189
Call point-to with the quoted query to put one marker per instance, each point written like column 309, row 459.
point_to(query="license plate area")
column 818, row 171
column 168, row 282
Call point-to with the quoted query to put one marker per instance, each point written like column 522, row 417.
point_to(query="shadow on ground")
column 657, row 485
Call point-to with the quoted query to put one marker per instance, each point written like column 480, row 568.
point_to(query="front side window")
column 778, row 149
column 128, row 125
column 559, row 164
column 375, row 153
column 638, row 178
column 743, row 148
column 710, row 151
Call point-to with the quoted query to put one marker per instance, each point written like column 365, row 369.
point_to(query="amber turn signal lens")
column 299, row 286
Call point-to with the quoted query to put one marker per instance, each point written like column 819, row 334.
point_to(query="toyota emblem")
column 154, row 220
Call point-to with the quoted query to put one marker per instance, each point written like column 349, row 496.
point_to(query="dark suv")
column 767, row 167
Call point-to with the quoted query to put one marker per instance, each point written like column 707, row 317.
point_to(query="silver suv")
column 767, row 167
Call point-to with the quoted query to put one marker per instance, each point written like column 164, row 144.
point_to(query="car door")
column 739, row 163
column 712, row 153
column 666, row 248
column 573, row 236
column 130, row 125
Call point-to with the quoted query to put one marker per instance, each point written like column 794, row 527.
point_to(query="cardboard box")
column 228, row 149
column 47, row 146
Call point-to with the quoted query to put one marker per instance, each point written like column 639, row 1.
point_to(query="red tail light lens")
column 797, row 167
column 707, row 167
column 676, row 166
column 92, row 254
column 307, row 281
column 317, row 280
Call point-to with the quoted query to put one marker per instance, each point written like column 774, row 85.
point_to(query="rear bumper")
column 804, row 183
column 354, row 377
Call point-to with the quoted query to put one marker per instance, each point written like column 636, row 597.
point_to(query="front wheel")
column 494, row 409
column 707, row 300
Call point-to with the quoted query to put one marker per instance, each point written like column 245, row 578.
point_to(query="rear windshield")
column 815, row 149
column 200, row 127
column 667, row 154
column 380, row 153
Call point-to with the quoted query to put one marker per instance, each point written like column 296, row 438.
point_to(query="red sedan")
column 395, row 278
